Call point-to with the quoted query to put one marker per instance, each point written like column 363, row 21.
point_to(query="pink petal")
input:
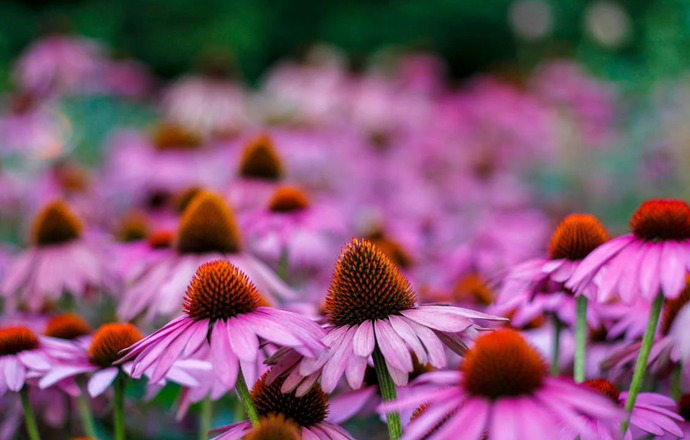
column 243, row 340
column 392, row 347
column 101, row 380
column 363, row 342
column 225, row 364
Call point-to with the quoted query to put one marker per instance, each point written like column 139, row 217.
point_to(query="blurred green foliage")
column 473, row 35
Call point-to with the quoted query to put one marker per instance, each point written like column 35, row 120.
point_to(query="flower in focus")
column 371, row 306
column 308, row 411
column 223, row 309
column 503, row 390
column 207, row 231
column 654, row 258
column 62, row 258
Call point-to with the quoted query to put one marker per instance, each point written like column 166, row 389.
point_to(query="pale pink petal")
column 101, row 380
column 335, row 366
column 471, row 420
column 649, row 271
column 363, row 342
column 355, row 371
column 392, row 347
column 225, row 363
column 672, row 269
column 343, row 406
column 406, row 334
column 242, row 339
column 14, row 372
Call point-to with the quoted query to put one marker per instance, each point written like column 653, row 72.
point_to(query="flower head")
column 67, row 326
column 109, row 340
column 288, row 199
column 576, row 236
column 20, row 355
column 55, row 224
column 208, row 225
column 260, row 160
column 275, row 427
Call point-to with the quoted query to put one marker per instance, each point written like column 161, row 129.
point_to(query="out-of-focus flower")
column 21, row 357
column 207, row 232
column 62, row 258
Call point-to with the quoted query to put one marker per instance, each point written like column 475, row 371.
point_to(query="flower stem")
column 388, row 392
column 29, row 417
column 85, row 412
column 557, row 326
column 676, row 384
column 283, row 266
column 246, row 398
column 641, row 364
column 580, row 338
column 205, row 418
column 119, row 405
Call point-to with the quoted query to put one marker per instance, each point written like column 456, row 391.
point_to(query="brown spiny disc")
column 67, row 326
column 306, row 411
column 55, row 224
column 14, row 340
column 208, row 225
column 288, row 199
column 169, row 136
column 366, row 286
column 134, row 227
column 392, row 249
column 576, row 236
column 184, row 198
column 275, row 427
column 109, row 340
column 502, row 364
column 660, row 220
column 260, row 160
column 605, row 388
column 219, row 290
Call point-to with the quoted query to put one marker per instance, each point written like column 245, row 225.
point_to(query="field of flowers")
column 379, row 252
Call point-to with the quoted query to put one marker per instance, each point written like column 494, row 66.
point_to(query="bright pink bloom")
column 502, row 390
column 224, row 308
column 370, row 306
column 653, row 259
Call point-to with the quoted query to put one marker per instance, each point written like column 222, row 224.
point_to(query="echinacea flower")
column 207, row 232
column 308, row 411
column 538, row 286
column 259, row 171
column 371, row 306
column 503, row 390
column 21, row 355
column 654, row 258
column 274, row 427
column 223, row 309
column 61, row 259
column 99, row 359
column 653, row 414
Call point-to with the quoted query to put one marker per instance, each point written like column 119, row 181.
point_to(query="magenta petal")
column 649, row 271
column 335, row 366
column 242, row 339
column 598, row 257
column 505, row 420
column 101, row 380
column 406, row 334
column 471, row 420
column 355, row 371
column 343, row 406
column 392, row 347
column 14, row 372
column 672, row 269
column 225, row 363
column 363, row 342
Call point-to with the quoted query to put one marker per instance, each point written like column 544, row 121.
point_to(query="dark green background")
column 473, row 35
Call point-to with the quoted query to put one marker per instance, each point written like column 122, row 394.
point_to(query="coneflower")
column 61, row 259
column 372, row 312
column 207, row 231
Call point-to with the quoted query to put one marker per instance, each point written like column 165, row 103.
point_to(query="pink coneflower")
column 259, row 171
column 653, row 414
column 294, row 229
column 61, row 259
column 21, row 355
column 224, row 309
column 207, row 231
column 653, row 259
column 538, row 286
column 308, row 412
column 502, row 390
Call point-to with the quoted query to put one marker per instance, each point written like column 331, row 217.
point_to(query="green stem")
column 119, row 406
column 205, row 418
column 388, row 392
column 676, row 384
column 283, row 269
column 29, row 417
column 85, row 412
column 557, row 326
column 580, row 338
column 641, row 364
column 246, row 398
